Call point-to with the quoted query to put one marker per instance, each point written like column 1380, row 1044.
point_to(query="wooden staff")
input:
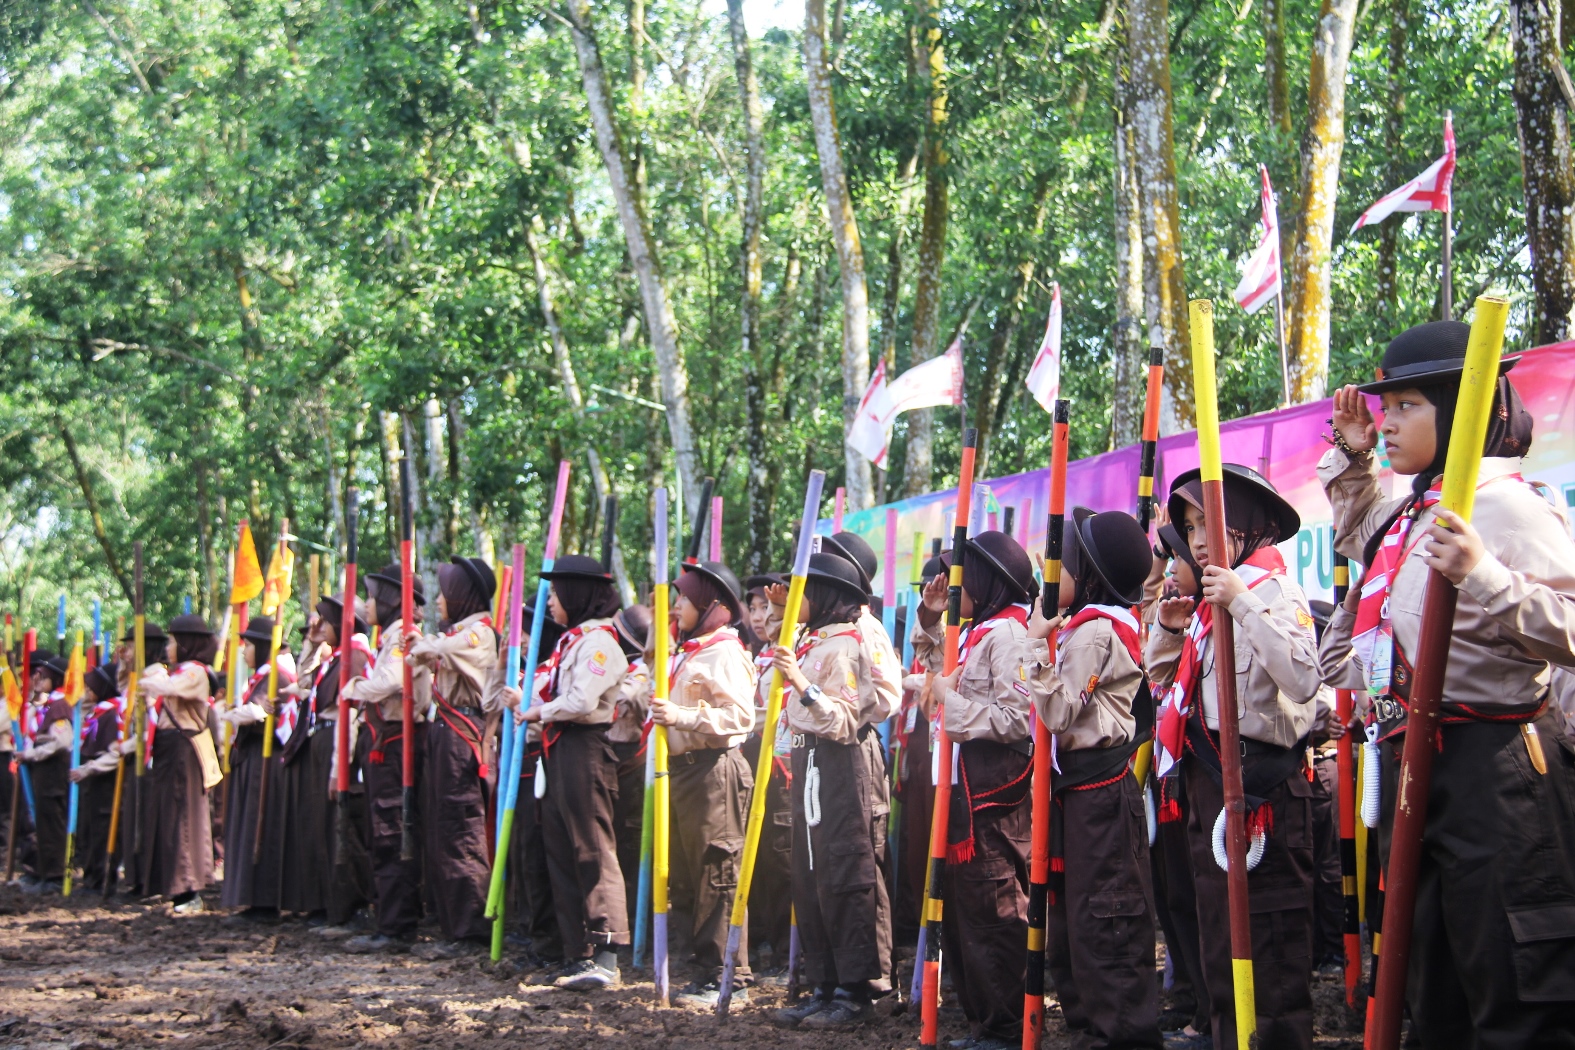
column 74, row 694
column 716, row 528
column 757, row 798
column 512, row 678
column 661, row 837
column 1039, row 868
column 130, row 726
column 1461, row 466
column 692, row 551
column 346, row 631
column 407, row 690
column 1156, row 381
column 275, row 643
column 935, row 895
column 610, row 527
column 1212, row 473
column 1344, row 775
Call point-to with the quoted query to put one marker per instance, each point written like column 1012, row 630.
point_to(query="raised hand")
column 1352, row 420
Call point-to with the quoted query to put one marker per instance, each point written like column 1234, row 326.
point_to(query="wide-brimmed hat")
column 480, row 574
column 841, row 547
column 331, row 607
column 189, row 623
column 259, row 629
column 1424, row 354
column 1285, row 515
column 1008, row 559
column 101, row 681
column 722, row 578
column 151, row 632
column 840, row 572
column 1117, row 549
column 577, row 567
column 760, row 581
column 633, row 625
column 390, row 575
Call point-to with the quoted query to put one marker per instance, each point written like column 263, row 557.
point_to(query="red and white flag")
column 1044, row 378
column 938, row 381
column 870, row 434
column 1260, row 278
column 1429, row 191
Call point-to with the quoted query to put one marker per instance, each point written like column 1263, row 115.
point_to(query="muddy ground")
column 79, row 975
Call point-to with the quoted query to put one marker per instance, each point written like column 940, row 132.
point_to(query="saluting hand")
column 776, row 593
column 1174, row 613
column 1454, row 551
column 1221, row 586
column 1353, row 420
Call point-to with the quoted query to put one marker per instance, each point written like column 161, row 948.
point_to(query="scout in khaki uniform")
column 1276, row 681
column 708, row 713
column 48, row 760
column 1322, row 749
column 771, row 893
column 177, row 835
column 914, row 787
column 251, row 875
column 1493, row 953
column 586, row 672
column 380, row 749
column 1091, row 694
column 456, row 753
column 986, row 706
column 839, row 801
column 627, row 734
column 101, row 726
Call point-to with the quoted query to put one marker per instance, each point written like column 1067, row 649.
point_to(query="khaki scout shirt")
column 634, row 701
column 991, row 699
column 1276, row 663
column 1516, row 611
column 464, row 657
column 836, row 663
column 884, row 694
column 590, row 678
column 1085, row 695
column 385, row 686
column 714, row 687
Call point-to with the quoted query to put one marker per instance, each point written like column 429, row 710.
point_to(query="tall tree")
column 845, row 234
column 1394, row 141
column 1127, row 342
column 1154, row 161
column 1542, row 111
column 932, row 241
column 660, row 325
column 1307, row 315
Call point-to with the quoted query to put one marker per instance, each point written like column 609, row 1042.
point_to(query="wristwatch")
column 812, row 695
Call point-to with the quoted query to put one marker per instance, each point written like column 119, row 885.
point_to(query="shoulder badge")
column 475, row 639
column 1304, row 619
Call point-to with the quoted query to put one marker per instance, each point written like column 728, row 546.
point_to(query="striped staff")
column 407, row 685
column 757, row 798
column 1351, row 925
column 661, row 811
column 1212, row 473
column 131, row 724
column 1462, row 465
column 276, row 591
column 346, row 657
column 510, row 777
column 1156, row 381
column 1039, row 866
column 75, row 670
column 511, row 676
column 935, row 894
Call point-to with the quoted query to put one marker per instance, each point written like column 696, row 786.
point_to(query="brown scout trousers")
column 771, row 894
column 454, row 831
column 1170, row 863
column 985, row 925
column 839, row 892
column 1279, row 891
column 1100, row 935
column 629, row 817
column 396, row 883
column 1493, row 945
column 710, row 804
column 1328, row 894
column 577, row 829
column 918, row 801
column 51, row 792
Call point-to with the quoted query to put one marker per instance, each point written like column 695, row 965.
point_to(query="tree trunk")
column 1307, row 313
column 1154, row 161
column 659, row 321
column 1394, row 129
column 932, row 246
column 1274, row 70
column 601, row 485
column 426, row 562
column 845, row 234
column 459, row 481
column 85, row 483
column 1543, row 123
column 1003, row 337
column 1126, row 407
column 758, row 488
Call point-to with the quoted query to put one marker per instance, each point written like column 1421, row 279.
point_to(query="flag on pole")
column 1260, row 278
column 938, row 381
column 247, row 583
column 870, row 433
column 277, row 587
column 1429, row 191
column 1044, row 378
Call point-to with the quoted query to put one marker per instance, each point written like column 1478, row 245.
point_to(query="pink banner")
column 1284, row 446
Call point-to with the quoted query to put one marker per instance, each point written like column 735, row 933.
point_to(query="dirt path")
column 79, row 975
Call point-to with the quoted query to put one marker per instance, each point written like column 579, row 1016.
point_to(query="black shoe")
column 709, row 994
column 368, row 943
column 793, row 1016
column 587, row 975
column 435, row 951
column 843, row 1011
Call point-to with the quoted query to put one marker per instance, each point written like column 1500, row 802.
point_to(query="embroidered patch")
column 853, row 683
column 1303, row 618
column 598, row 662
column 819, row 664
column 1020, row 687
column 475, row 639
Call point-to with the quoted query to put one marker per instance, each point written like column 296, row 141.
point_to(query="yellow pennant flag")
column 248, row 574
column 13, row 693
column 277, row 591
column 76, row 670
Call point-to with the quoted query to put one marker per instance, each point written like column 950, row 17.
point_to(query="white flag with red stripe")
column 1044, row 378
column 1429, row 191
column 870, row 434
column 1260, row 278
column 938, row 381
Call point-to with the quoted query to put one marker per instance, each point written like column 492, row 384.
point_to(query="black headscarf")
column 1091, row 588
column 991, row 592
column 586, row 599
column 829, row 604
column 1509, row 433
column 460, row 593
column 1248, row 515
column 199, row 647
column 704, row 596
column 1170, row 537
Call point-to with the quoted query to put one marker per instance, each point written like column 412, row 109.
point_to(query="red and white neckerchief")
column 1122, row 621
column 357, row 645
column 686, row 650
column 975, row 634
column 117, row 704
column 569, row 638
column 1372, row 635
column 1171, row 723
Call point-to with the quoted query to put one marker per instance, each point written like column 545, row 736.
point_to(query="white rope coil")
column 1372, row 784
column 1259, row 843
column 1149, row 812
column 811, row 802
column 539, row 788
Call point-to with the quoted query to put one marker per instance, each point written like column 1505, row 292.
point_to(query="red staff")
column 346, row 631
